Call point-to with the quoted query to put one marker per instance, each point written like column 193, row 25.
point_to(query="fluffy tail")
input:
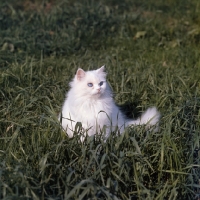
column 150, row 118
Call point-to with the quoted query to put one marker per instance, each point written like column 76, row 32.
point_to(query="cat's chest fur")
column 91, row 110
column 93, row 113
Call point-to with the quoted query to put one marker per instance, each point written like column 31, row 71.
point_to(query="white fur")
column 95, row 108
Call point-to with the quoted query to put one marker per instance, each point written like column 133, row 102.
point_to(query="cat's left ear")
column 101, row 69
column 80, row 74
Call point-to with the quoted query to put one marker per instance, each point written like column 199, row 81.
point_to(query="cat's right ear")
column 101, row 69
column 80, row 74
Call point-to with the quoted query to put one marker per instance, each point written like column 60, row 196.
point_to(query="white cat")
column 90, row 101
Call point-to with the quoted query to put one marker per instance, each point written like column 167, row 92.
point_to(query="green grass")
column 151, row 50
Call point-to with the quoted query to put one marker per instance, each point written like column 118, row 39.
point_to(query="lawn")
column 151, row 50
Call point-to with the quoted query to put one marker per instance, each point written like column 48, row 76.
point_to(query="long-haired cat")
column 90, row 101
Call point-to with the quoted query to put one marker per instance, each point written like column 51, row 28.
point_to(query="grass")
column 152, row 54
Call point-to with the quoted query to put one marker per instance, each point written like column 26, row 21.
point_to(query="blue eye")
column 101, row 83
column 90, row 84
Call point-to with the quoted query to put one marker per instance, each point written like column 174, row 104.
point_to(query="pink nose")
column 99, row 89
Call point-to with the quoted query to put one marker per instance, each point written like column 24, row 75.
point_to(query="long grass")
column 151, row 50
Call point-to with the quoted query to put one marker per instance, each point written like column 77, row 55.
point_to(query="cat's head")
column 90, row 83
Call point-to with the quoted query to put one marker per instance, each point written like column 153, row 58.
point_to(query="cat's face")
column 91, row 83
